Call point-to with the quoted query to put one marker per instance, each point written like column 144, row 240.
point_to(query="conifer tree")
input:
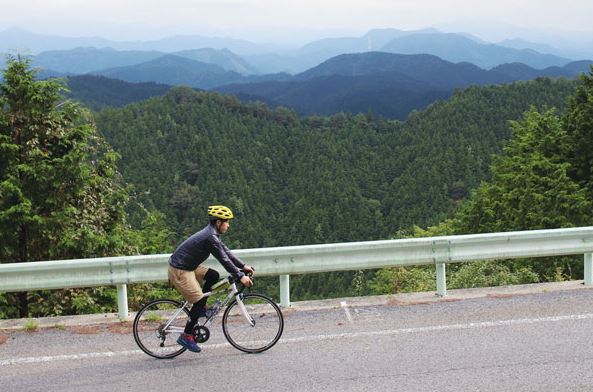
column 530, row 187
column 60, row 196
column 579, row 125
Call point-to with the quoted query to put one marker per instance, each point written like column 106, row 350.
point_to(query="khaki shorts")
column 188, row 283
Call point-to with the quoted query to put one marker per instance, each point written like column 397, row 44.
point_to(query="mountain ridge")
column 349, row 79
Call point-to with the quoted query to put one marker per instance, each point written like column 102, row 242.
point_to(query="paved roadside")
column 405, row 299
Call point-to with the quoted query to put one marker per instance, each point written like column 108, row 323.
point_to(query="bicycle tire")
column 148, row 324
column 265, row 333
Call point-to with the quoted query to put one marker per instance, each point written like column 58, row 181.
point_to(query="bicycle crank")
column 201, row 333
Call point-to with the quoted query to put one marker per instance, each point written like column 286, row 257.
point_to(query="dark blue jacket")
column 195, row 250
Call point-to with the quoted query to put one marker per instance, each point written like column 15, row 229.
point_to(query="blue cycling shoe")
column 188, row 342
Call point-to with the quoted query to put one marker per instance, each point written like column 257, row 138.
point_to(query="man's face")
column 222, row 226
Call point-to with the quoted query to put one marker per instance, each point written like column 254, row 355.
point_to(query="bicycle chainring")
column 201, row 334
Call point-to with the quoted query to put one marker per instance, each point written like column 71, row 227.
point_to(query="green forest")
column 138, row 179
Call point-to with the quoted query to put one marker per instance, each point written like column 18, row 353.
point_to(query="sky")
column 294, row 21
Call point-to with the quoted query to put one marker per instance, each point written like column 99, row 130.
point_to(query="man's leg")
column 187, row 284
column 208, row 277
column 196, row 311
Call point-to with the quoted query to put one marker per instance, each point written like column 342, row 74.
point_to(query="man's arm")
column 219, row 250
column 237, row 261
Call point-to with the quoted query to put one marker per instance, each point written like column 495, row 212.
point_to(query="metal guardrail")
column 290, row 260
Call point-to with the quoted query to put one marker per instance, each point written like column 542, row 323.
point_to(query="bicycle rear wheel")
column 153, row 332
column 256, row 331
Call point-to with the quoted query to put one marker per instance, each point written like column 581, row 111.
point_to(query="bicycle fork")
column 243, row 309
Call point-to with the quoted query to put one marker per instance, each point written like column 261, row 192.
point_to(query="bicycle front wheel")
column 158, row 325
column 253, row 324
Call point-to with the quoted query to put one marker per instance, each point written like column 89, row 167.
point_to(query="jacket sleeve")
column 237, row 261
column 219, row 250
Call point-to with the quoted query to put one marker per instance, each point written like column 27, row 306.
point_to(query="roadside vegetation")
column 137, row 179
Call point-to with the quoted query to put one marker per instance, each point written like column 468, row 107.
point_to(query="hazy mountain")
column 32, row 43
column 461, row 47
column 25, row 42
column 372, row 41
column 85, row 60
column 189, row 42
column 223, row 58
column 318, row 51
column 389, row 85
column 518, row 71
column 98, row 92
column 426, row 68
column 518, row 43
column 174, row 70
column 578, row 67
column 257, row 58
column 457, row 48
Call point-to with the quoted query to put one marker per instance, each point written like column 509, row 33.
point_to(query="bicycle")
column 251, row 322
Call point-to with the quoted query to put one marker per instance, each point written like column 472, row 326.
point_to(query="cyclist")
column 186, row 273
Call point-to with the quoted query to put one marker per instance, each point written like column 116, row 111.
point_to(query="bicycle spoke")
column 258, row 336
column 157, row 327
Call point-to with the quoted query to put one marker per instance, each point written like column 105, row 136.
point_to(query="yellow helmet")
column 220, row 212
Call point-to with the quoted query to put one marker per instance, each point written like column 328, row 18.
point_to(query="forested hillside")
column 292, row 180
column 318, row 179
column 542, row 180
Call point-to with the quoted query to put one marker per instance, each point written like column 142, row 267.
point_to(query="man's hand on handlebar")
column 246, row 280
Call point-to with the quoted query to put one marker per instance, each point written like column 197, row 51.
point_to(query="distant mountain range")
column 248, row 58
column 89, row 60
column 385, row 84
column 389, row 85
column 32, row 43
column 355, row 74
column 457, row 48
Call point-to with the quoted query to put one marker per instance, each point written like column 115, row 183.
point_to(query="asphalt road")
column 533, row 342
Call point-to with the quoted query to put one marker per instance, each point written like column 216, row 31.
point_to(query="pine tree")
column 579, row 125
column 530, row 187
column 59, row 191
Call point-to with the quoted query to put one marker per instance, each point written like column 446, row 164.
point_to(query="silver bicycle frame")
column 234, row 292
column 168, row 327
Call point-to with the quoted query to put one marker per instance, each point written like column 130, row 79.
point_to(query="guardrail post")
column 441, row 280
column 122, row 301
column 588, row 269
column 285, row 291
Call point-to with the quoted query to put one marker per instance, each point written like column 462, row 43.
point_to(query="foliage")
column 98, row 92
column 317, row 179
column 530, row 187
column 541, row 180
column 61, row 195
column 294, row 180
column 579, row 127
column 490, row 273
column 403, row 280
column 289, row 176
column 31, row 325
